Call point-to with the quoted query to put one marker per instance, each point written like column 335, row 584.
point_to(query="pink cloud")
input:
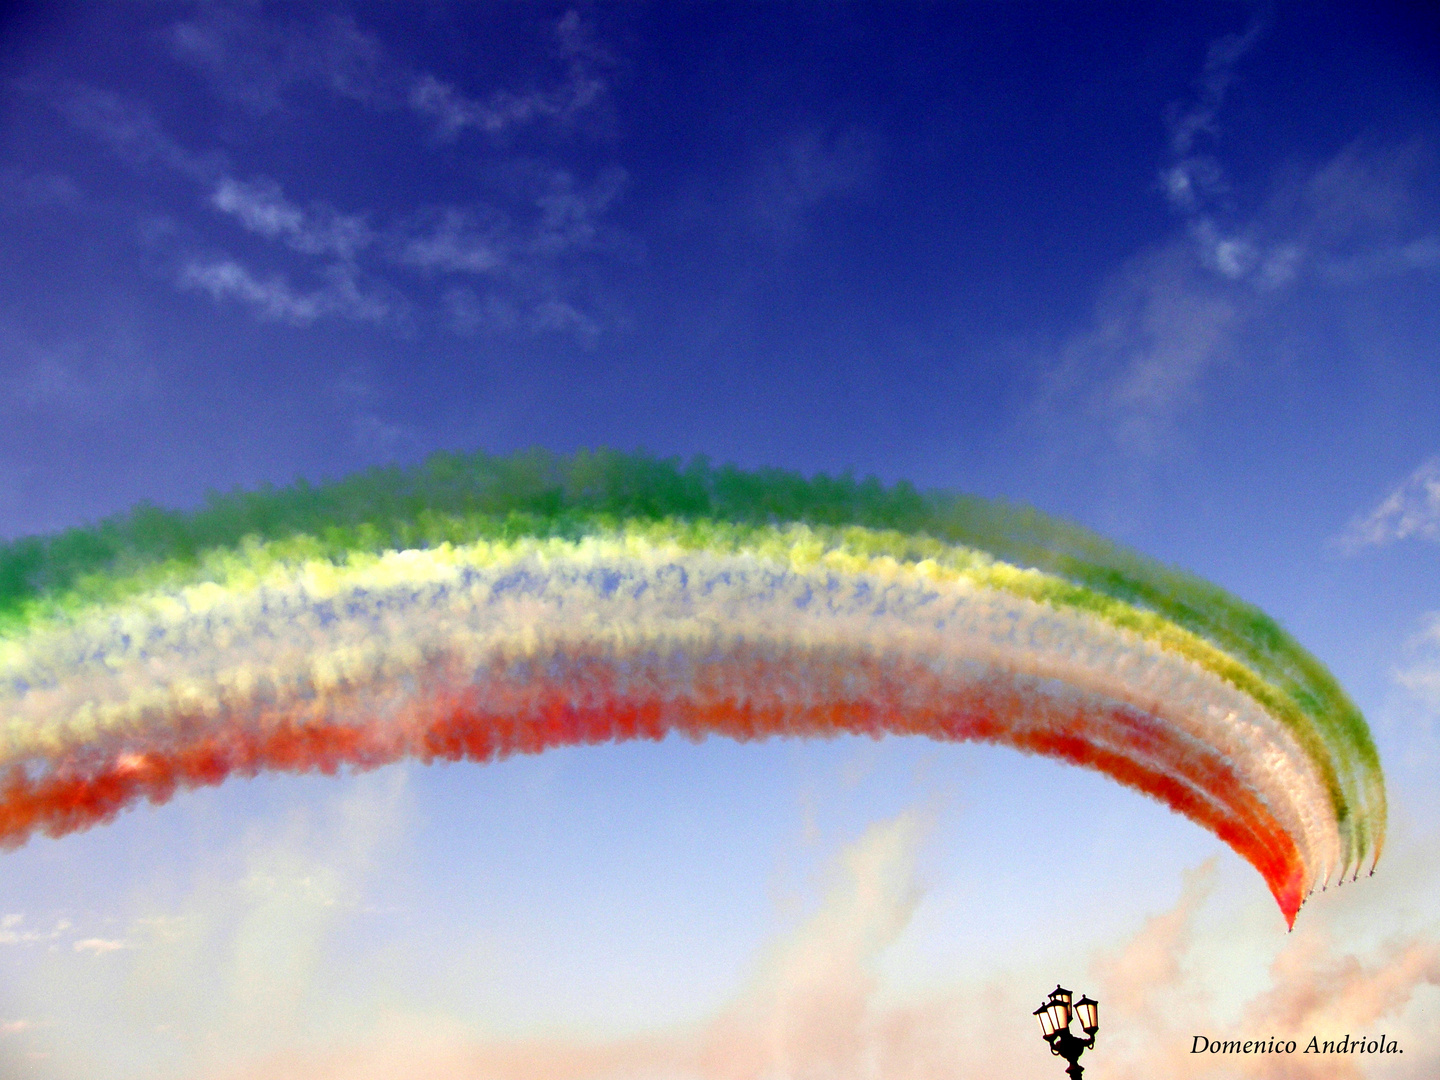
column 816, row 1008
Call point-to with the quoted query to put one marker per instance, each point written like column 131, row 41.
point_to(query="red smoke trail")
column 747, row 694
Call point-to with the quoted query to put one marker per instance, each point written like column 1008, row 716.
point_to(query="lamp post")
column 1054, row 1017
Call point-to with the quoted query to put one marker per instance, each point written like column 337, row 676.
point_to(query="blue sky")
column 1172, row 271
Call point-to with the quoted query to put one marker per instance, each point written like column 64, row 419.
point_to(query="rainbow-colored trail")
column 477, row 607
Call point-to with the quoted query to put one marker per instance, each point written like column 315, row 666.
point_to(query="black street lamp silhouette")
column 1054, row 1018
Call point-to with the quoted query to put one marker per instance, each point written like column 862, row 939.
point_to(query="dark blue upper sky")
column 1173, row 270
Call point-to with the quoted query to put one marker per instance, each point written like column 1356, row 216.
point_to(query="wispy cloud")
column 14, row 931
column 22, row 190
column 571, row 212
column 522, row 247
column 1349, row 219
column 273, row 298
column 132, row 132
column 253, row 61
column 452, row 111
column 526, row 238
column 556, row 216
column 261, row 207
column 804, row 170
column 100, row 946
column 1385, row 261
column 524, row 251
column 1412, row 509
column 459, row 240
column 471, row 313
column 239, row 961
column 51, row 382
column 1173, row 313
column 561, row 316
column 1420, row 674
column 1158, row 329
column 375, row 436
column 1178, row 312
column 1193, row 178
column 1361, row 216
column 87, row 377
column 492, row 313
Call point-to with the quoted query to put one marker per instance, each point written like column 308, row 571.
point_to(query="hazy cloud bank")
column 817, row 1009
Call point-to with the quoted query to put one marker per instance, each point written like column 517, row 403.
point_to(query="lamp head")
column 1059, row 1008
column 1088, row 1011
column 1047, row 1021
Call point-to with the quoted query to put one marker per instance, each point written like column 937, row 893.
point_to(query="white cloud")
column 100, row 946
column 521, row 241
column 252, row 61
column 558, row 217
column 1421, row 675
column 132, row 132
column 21, row 190
column 460, row 240
column 562, row 316
column 89, row 377
column 452, row 111
column 262, row 208
column 810, row 1009
column 469, row 313
column 805, row 170
column 1221, row 57
column 13, row 931
column 1175, row 314
column 570, row 214
column 52, row 382
column 1343, row 217
column 12, row 934
column 1171, row 315
column 228, row 280
column 1232, row 257
column 1160, row 327
column 374, row 435
column 1412, row 509
column 1351, row 219
column 520, row 249
column 273, row 297
column 1384, row 261
column 1190, row 178
column 524, row 252
column 249, row 952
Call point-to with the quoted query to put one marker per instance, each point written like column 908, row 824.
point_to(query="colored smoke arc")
column 479, row 606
